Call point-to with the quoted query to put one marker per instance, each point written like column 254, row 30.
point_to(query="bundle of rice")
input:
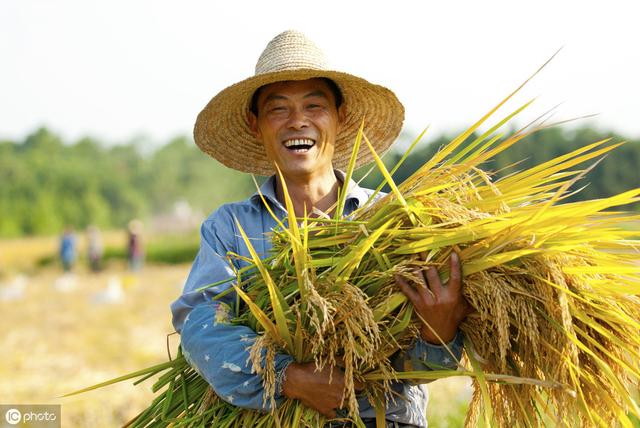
column 553, row 339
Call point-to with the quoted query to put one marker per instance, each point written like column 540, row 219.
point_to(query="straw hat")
column 222, row 128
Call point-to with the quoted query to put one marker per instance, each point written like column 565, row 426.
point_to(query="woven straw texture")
column 222, row 127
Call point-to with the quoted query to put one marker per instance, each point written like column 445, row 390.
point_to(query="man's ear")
column 342, row 114
column 253, row 124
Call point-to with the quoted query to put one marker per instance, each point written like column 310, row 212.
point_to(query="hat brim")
column 222, row 127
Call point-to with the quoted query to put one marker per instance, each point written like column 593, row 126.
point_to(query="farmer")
column 300, row 116
column 67, row 249
column 135, row 248
column 95, row 249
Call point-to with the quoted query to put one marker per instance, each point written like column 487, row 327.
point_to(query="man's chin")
column 302, row 169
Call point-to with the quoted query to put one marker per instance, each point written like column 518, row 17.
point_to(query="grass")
column 163, row 249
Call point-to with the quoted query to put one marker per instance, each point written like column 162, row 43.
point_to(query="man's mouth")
column 299, row 145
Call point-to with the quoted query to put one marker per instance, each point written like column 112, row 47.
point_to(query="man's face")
column 297, row 123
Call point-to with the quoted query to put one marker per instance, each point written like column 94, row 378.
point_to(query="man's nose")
column 297, row 119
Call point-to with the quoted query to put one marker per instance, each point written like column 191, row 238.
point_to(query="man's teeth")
column 299, row 142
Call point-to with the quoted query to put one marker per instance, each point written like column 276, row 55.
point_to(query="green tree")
column 46, row 184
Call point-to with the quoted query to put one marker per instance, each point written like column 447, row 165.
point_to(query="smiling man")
column 297, row 122
column 303, row 117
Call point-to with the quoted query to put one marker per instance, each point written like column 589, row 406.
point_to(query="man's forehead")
column 309, row 87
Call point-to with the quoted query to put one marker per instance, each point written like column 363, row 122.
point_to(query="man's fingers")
column 406, row 288
column 435, row 284
column 455, row 276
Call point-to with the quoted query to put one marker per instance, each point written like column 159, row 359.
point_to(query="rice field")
column 61, row 333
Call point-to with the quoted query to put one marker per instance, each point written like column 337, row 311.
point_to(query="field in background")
column 64, row 333
column 29, row 254
column 24, row 254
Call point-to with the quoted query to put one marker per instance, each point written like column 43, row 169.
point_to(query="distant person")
column 135, row 249
column 95, row 249
column 68, row 249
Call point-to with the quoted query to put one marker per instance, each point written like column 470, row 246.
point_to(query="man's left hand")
column 442, row 307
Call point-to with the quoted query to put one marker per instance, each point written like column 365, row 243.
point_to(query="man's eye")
column 277, row 109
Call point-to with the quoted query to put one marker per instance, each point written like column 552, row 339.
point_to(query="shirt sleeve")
column 215, row 348
column 427, row 356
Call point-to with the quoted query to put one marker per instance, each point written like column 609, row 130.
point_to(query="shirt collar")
column 268, row 190
column 356, row 192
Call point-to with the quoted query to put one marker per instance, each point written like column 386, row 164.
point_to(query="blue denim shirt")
column 218, row 350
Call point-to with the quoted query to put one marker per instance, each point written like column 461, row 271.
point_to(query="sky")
column 124, row 70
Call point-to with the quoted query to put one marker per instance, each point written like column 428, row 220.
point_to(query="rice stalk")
column 553, row 340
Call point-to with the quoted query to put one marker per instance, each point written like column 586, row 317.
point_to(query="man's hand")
column 313, row 389
column 441, row 306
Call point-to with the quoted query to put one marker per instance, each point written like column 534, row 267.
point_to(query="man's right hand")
column 312, row 387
